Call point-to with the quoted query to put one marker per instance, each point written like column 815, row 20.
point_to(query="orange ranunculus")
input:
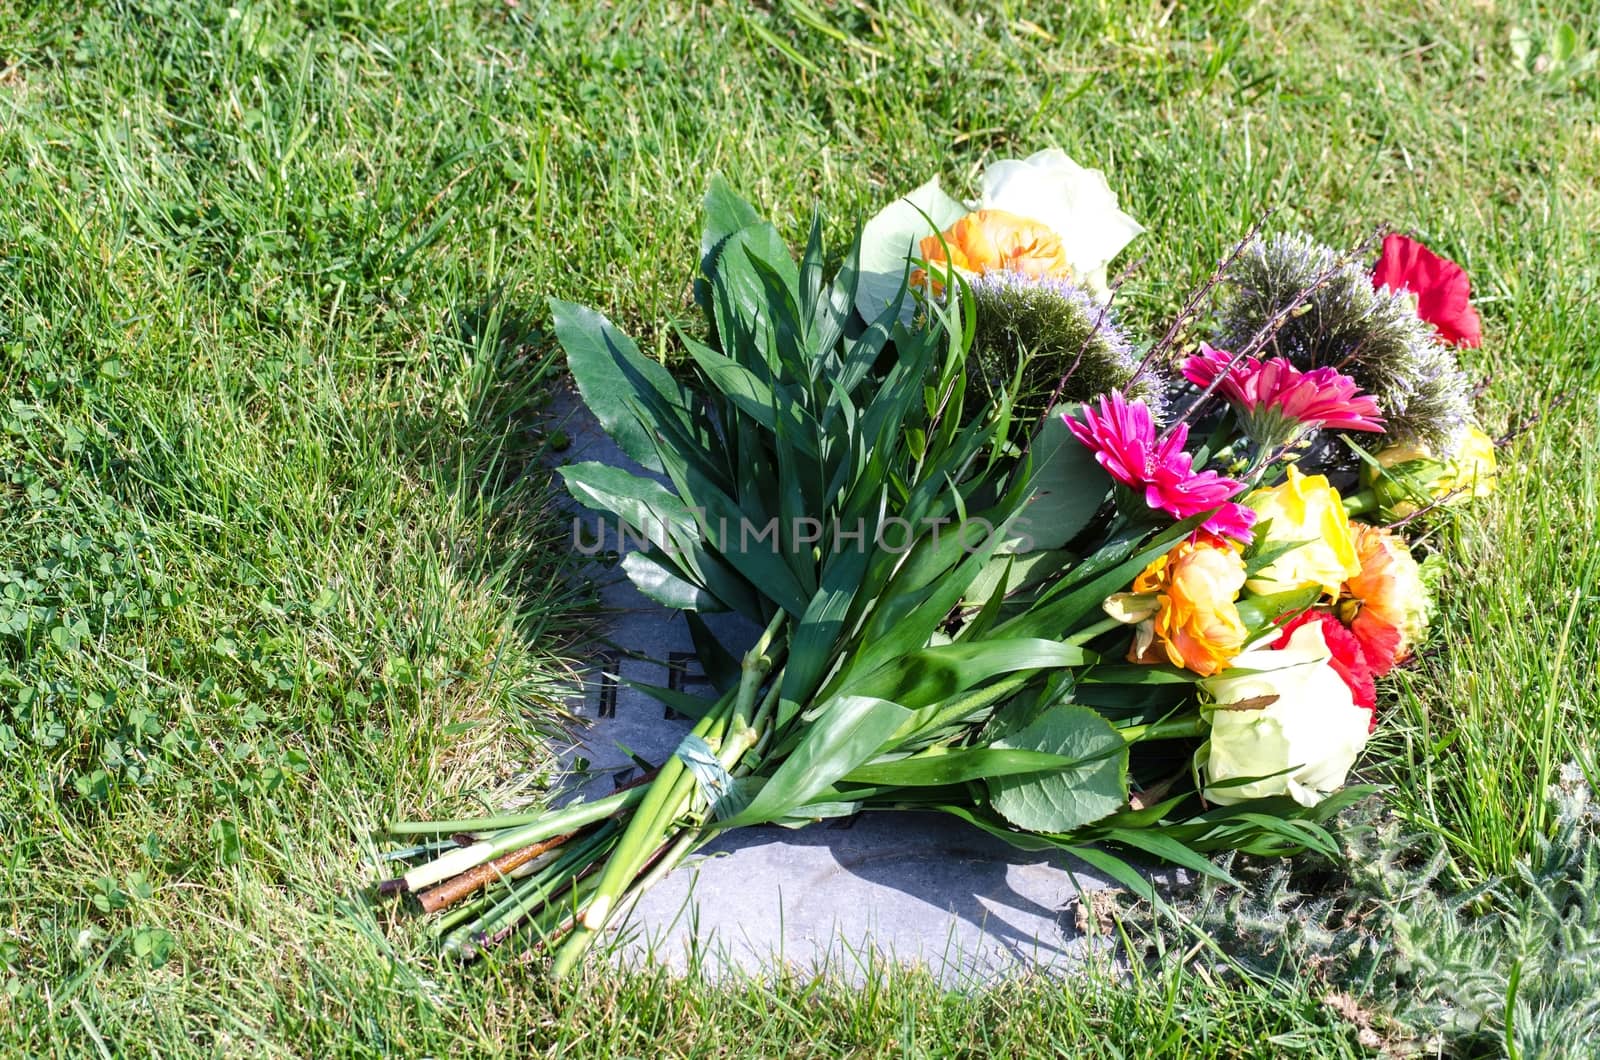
column 995, row 239
column 1197, row 624
column 1386, row 605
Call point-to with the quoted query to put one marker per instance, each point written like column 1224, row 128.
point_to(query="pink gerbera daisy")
column 1125, row 443
column 1277, row 402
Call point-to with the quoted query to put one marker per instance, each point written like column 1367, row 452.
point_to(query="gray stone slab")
column 916, row 888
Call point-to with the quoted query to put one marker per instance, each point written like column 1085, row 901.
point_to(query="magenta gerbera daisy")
column 1276, row 402
column 1125, row 442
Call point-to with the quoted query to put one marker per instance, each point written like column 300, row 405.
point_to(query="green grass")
column 277, row 560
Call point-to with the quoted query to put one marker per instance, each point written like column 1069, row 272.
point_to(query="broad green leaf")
column 666, row 587
column 922, row 678
column 664, row 521
column 1066, row 484
column 892, row 237
column 719, row 665
column 1063, row 799
column 748, row 320
column 1010, row 572
column 615, row 380
column 642, row 503
column 850, row 731
column 1563, row 44
column 725, row 214
column 754, row 398
column 811, row 645
column 731, row 533
column 954, row 767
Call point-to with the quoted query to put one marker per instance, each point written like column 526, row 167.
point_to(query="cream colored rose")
column 1304, row 509
column 1075, row 205
column 1285, row 712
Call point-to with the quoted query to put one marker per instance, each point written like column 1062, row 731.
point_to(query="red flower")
column 1123, row 437
column 1348, row 660
column 1440, row 285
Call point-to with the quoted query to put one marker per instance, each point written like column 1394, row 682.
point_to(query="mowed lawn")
column 279, row 559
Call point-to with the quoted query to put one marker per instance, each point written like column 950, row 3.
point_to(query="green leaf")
column 1563, row 44
column 153, row 945
column 922, row 678
column 615, row 379
column 1060, row 800
column 1066, row 483
column 1015, row 572
column 811, row 645
column 725, row 214
column 665, row 522
column 892, row 237
column 901, row 628
column 1167, row 849
column 850, row 730
column 954, row 767
column 1097, row 577
column 1258, row 612
column 690, row 706
column 754, row 302
column 719, row 665
column 1118, row 870
column 642, row 503
column 754, row 398
column 666, row 587
column 1139, row 675
column 1020, row 840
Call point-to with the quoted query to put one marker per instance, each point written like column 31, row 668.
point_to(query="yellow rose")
column 1307, row 510
column 1195, row 622
column 1411, row 472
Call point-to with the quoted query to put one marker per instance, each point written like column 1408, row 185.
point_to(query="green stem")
column 663, row 794
column 525, row 896
column 577, row 815
column 1361, row 503
column 1085, row 635
column 670, row 795
column 541, row 827
column 1167, row 729
column 578, row 943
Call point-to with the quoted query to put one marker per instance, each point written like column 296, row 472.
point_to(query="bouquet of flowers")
column 1006, row 565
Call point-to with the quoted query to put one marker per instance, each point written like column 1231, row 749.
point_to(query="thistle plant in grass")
column 1012, row 635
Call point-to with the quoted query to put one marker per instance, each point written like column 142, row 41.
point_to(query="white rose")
column 1308, row 733
column 1075, row 203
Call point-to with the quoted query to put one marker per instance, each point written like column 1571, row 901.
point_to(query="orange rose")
column 1196, row 623
column 1386, row 605
column 995, row 239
